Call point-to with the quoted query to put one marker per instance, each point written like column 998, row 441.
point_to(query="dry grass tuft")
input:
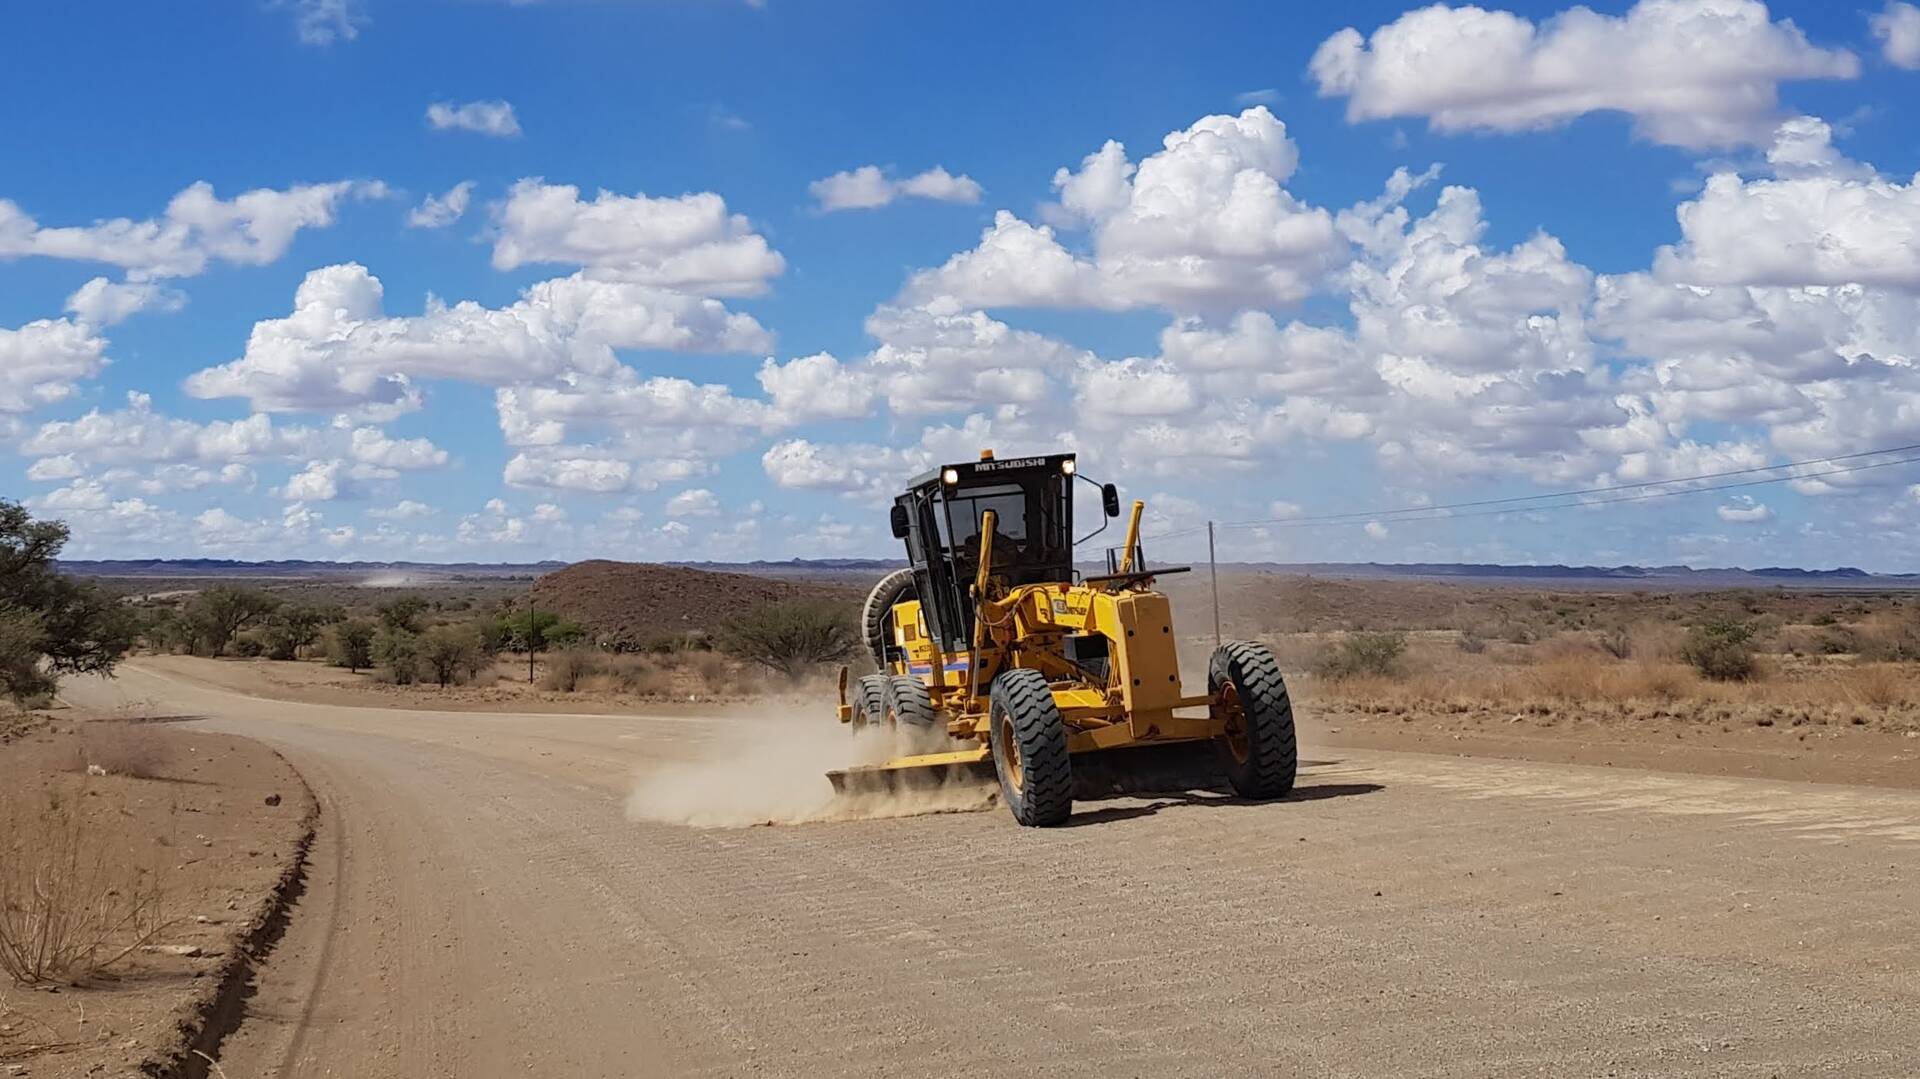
column 73, row 904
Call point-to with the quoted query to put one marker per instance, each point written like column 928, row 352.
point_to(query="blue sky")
column 1630, row 244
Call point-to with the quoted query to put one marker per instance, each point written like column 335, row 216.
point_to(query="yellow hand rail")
column 1133, row 537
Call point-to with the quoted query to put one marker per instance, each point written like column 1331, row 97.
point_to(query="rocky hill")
column 631, row 604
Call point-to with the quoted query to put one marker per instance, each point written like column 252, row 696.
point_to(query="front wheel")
column 1030, row 749
column 909, row 704
column 1258, row 749
column 870, row 701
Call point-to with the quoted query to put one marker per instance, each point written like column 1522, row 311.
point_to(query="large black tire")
column 1030, row 749
column 869, row 700
column 876, row 615
column 909, row 704
column 1258, row 752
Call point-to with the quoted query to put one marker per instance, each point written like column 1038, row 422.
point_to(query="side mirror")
column 898, row 519
column 1110, row 499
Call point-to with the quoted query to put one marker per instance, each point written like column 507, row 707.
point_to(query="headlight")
column 1066, row 466
column 950, row 476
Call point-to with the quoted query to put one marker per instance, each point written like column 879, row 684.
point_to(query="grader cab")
column 994, row 651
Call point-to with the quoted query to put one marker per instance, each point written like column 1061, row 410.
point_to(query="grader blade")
column 926, row 771
column 1162, row 768
column 1152, row 768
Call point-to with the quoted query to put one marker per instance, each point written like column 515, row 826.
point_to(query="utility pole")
column 1213, row 571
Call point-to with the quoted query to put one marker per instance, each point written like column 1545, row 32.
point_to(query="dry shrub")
column 1721, row 650
column 1616, row 642
column 1875, row 685
column 1888, row 637
column 1649, row 680
column 716, row 674
column 72, row 904
column 1799, row 640
column 568, row 667
column 1656, row 641
column 1572, row 677
column 1568, row 646
column 130, row 750
column 629, row 673
column 1364, row 654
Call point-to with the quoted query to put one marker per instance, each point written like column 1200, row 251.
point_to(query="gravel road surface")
column 480, row 905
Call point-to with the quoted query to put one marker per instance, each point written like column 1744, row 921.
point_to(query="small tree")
column 399, row 654
column 403, row 614
column 218, row 614
column 1721, row 650
column 299, row 627
column 792, row 636
column 353, row 645
column 450, row 653
column 22, row 643
column 47, row 617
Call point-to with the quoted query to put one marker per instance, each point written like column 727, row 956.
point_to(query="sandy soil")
column 482, row 903
column 187, row 803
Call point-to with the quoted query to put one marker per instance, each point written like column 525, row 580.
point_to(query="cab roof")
column 988, row 467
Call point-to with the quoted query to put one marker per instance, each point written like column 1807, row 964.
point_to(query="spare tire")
column 876, row 616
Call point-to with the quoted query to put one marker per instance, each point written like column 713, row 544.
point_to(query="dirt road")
column 479, row 905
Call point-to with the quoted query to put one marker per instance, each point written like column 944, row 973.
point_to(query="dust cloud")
column 771, row 769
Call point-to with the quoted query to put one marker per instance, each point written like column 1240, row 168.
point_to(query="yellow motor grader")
column 999, row 653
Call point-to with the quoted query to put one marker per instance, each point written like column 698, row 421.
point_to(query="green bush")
column 399, row 655
column 22, row 639
column 353, row 645
column 50, row 624
column 1721, row 650
column 539, row 631
column 248, row 647
column 403, row 614
column 791, row 637
column 1364, row 654
column 451, row 653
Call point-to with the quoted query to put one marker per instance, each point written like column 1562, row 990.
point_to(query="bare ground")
column 192, row 804
column 482, row 904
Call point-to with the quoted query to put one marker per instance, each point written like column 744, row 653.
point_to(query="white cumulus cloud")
column 1692, row 73
column 687, row 242
column 868, row 187
column 253, row 228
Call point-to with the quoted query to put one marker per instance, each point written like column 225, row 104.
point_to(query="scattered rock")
column 185, row 951
column 273, row 799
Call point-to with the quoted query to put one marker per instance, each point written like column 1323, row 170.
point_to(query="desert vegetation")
column 50, row 624
column 1788, row 659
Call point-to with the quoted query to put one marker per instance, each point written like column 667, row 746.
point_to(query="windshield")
column 963, row 511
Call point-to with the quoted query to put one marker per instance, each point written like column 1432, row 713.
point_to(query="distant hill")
column 297, row 568
column 631, row 604
column 852, row 572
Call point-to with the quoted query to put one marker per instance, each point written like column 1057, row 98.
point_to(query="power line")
column 1516, row 503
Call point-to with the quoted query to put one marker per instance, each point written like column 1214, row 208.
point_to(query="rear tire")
column 1259, row 752
column 1029, row 740
column 909, row 704
column 870, row 700
column 876, row 615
